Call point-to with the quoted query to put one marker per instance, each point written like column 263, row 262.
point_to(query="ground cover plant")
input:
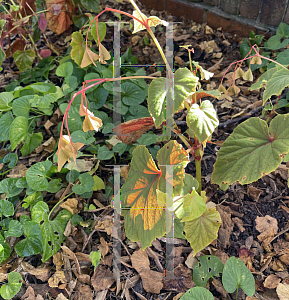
column 33, row 226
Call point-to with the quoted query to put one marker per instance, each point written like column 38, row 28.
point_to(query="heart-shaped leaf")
column 185, row 83
column 202, row 120
column 6, row 248
column 207, row 267
column 32, row 244
column 24, row 59
column 236, row 275
column 9, row 290
column 5, row 100
column 202, row 231
column 36, row 175
column 197, row 293
column 5, row 124
column 15, row 229
column 131, row 94
column 144, row 218
column 18, row 131
column 252, row 151
column 8, row 187
column 6, row 207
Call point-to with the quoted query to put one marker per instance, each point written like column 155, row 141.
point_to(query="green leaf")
column 78, row 47
column 87, row 184
column 12, row 158
column 185, row 83
column 263, row 79
column 70, row 85
column 24, row 59
column 72, row 176
column 209, row 266
column 18, row 131
column 52, row 231
column 98, row 183
column 6, row 247
column 21, row 106
column 144, row 218
column 95, row 257
column 65, row 69
column 147, row 139
column 32, row 142
column 15, row 229
column 32, row 244
column 194, row 206
column 32, row 200
column 283, row 30
column 101, row 31
column 97, row 98
column 35, row 175
column 202, row 120
column 82, row 137
column 5, row 100
column 197, row 293
column 9, row 290
column 274, row 43
column 276, row 84
column 202, row 231
column 236, row 275
column 132, row 94
column 120, row 148
column 8, row 187
column 2, row 253
column 104, row 153
column 5, row 124
column 252, row 151
column 54, row 185
column 91, row 5
column 244, row 48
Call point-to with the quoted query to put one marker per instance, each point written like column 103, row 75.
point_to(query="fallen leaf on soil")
column 41, row 272
column 130, row 131
column 102, row 278
column 105, row 225
column 124, row 172
column 285, row 259
column 72, row 256
column 61, row 297
column 219, row 287
column 239, row 224
column 151, row 280
column 57, row 279
column 70, row 204
column 283, row 291
column 281, row 247
column 29, row 294
column 254, row 192
column 181, row 282
column 58, row 260
column 271, row 282
column 226, row 226
column 103, row 247
column 267, row 226
column 84, row 292
column 18, row 171
column 277, row 266
column 247, row 257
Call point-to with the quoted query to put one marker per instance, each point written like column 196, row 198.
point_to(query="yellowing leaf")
column 66, row 151
column 151, row 21
column 239, row 73
column 88, row 58
column 103, row 54
column 256, row 60
column 248, row 75
column 90, row 122
column 145, row 219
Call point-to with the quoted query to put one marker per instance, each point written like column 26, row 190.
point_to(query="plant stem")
column 237, row 293
column 58, row 204
column 198, row 163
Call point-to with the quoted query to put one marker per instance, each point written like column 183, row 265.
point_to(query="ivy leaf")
column 18, row 131
column 131, row 94
column 276, row 84
column 144, row 218
column 207, row 267
column 8, row 187
column 35, row 175
column 202, row 231
column 12, row 158
column 21, row 106
column 6, row 248
column 15, row 229
column 24, row 59
column 202, row 120
column 5, row 124
column 52, row 231
column 252, row 151
column 32, row 142
column 5, row 100
column 87, row 184
column 32, row 244
column 185, row 83
column 197, row 293
column 9, row 290
column 236, row 275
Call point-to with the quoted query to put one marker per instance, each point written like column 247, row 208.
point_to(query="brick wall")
column 236, row 16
